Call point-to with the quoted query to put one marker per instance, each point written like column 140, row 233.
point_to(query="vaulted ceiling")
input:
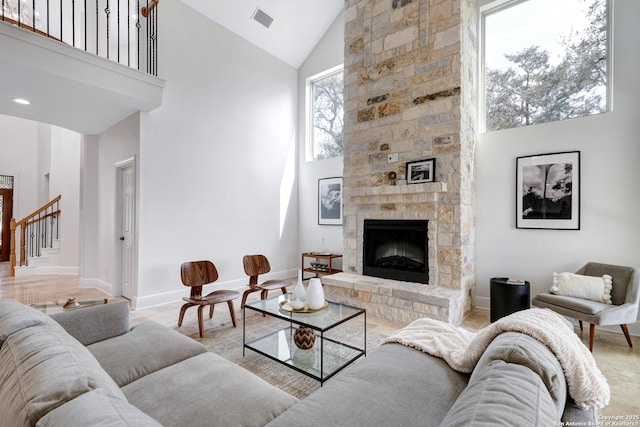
column 89, row 94
column 298, row 25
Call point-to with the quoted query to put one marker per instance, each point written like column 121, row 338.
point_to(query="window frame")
column 489, row 7
column 308, row 125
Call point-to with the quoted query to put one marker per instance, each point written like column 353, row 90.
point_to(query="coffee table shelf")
column 327, row 357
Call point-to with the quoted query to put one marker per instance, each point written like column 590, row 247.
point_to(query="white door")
column 126, row 192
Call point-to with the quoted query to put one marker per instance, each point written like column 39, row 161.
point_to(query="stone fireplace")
column 410, row 91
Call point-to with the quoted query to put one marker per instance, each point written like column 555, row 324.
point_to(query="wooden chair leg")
column 211, row 311
column 245, row 294
column 592, row 335
column 264, row 294
column 284, row 290
column 232, row 312
column 625, row 330
column 201, row 321
column 182, row 311
column 580, row 322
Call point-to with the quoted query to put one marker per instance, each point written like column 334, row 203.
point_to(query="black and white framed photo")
column 421, row 171
column 330, row 201
column 548, row 191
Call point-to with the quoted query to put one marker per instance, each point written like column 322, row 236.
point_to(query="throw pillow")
column 585, row 287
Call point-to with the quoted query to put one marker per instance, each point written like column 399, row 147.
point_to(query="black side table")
column 507, row 298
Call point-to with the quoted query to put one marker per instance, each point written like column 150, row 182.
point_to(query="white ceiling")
column 298, row 25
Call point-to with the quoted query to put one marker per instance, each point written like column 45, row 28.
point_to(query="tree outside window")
column 327, row 115
column 543, row 64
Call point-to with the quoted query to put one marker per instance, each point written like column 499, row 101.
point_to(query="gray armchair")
column 625, row 296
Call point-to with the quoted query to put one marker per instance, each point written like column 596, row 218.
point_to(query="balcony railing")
column 124, row 31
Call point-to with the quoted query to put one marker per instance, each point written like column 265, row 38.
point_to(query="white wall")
column 19, row 148
column 610, row 200
column 44, row 163
column 101, row 244
column 89, row 213
column 313, row 237
column 31, row 150
column 217, row 159
column 64, row 180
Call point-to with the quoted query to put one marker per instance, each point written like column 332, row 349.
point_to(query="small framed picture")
column 421, row 171
column 330, row 201
column 548, row 191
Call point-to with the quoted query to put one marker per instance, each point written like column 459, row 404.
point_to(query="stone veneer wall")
column 410, row 88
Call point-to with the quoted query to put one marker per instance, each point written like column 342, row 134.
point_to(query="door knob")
column 122, row 238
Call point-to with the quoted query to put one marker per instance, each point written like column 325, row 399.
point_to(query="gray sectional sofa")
column 88, row 367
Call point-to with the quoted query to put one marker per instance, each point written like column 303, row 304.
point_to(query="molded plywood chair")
column 196, row 274
column 255, row 265
column 625, row 296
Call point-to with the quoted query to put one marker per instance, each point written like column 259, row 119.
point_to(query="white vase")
column 315, row 294
column 298, row 292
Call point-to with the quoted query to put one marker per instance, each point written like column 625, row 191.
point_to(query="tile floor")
column 619, row 363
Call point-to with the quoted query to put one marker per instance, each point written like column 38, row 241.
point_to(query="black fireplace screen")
column 396, row 249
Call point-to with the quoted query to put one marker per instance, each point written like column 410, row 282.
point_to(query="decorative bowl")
column 296, row 304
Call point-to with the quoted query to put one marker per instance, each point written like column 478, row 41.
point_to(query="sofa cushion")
column 503, row 394
column 207, row 390
column 520, row 349
column 393, row 383
column 576, row 304
column 97, row 408
column 152, row 346
column 15, row 316
column 97, row 323
column 42, row 368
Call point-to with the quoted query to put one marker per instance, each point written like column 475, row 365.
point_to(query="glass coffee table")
column 329, row 354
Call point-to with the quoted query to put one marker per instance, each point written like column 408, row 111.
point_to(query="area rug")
column 226, row 341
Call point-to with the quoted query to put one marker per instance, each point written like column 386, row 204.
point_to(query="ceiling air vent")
column 262, row 17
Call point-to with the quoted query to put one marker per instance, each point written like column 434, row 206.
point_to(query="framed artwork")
column 421, row 171
column 548, row 191
column 330, row 201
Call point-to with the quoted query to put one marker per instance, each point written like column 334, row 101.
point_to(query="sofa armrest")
column 92, row 324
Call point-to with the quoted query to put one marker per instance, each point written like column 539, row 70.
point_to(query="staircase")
column 46, row 263
column 38, row 236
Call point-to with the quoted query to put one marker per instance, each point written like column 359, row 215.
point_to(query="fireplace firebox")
column 396, row 249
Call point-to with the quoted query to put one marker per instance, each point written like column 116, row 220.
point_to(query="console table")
column 316, row 270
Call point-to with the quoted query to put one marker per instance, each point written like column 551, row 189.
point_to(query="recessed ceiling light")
column 21, row 101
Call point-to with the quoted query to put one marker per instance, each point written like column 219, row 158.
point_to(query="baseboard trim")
column 96, row 283
column 483, row 303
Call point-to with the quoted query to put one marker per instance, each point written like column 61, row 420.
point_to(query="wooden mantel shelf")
column 384, row 190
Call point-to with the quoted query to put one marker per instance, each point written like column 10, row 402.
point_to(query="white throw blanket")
column 462, row 349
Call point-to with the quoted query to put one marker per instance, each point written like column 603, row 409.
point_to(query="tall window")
column 326, row 114
column 544, row 61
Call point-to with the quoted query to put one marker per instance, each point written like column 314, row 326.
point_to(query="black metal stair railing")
column 42, row 231
column 124, row 31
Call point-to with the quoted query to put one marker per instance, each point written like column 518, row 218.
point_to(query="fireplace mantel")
column 389, row 190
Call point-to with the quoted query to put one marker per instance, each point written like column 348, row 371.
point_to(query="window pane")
column 327, row 116
column 545, row 60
